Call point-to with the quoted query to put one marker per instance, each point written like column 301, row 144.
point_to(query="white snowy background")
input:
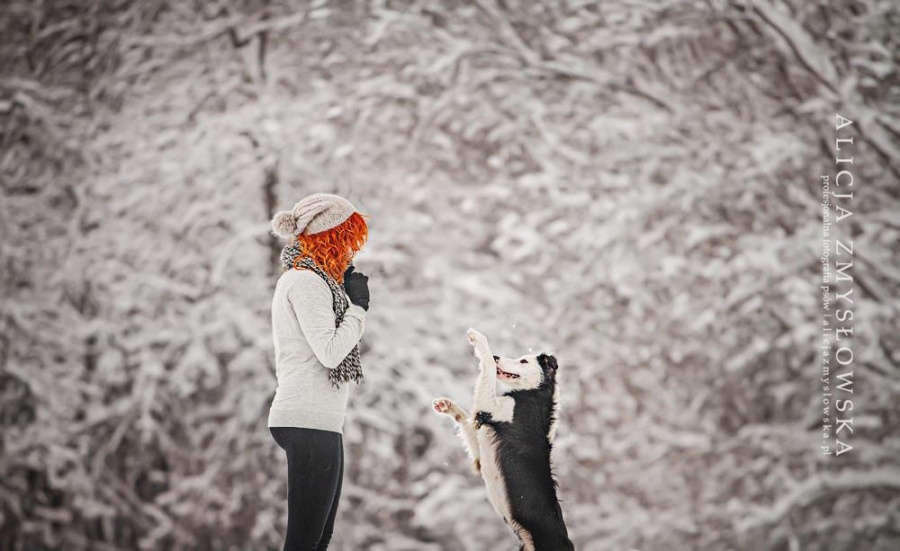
column 632, row 186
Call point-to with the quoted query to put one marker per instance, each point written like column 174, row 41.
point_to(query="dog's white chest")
column 490, row 472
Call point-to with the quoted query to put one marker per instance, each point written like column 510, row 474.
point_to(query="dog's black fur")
column 523, row 450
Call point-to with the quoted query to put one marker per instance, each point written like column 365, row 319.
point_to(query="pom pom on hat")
column 284, row 225
column 313, row 214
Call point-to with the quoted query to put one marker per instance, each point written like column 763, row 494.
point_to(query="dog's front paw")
column 479, row 343
column 476, row 338
column 442, row 405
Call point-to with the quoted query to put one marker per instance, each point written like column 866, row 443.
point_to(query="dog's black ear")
column 549, row 364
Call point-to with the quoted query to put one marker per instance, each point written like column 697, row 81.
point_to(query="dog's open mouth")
column 506, row 374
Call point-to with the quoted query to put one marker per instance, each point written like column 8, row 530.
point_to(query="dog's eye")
column 523, row 361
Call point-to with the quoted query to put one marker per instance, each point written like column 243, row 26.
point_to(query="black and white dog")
column 510, row 439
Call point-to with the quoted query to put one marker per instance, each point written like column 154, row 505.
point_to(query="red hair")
column 333, row 249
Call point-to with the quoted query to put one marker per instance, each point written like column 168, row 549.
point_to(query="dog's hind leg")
column 466, row 429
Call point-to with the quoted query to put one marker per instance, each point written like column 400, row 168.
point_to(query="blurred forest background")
column 633, row 186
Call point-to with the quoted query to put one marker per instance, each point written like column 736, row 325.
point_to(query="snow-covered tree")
column 633, row 187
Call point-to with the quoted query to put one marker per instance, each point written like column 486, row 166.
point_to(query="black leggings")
column 315, row 470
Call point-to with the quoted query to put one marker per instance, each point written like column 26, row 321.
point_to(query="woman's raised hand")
column 357, row 286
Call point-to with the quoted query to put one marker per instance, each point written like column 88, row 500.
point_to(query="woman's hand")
column 357, row 286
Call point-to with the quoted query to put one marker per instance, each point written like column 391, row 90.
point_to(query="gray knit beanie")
column 313, row 214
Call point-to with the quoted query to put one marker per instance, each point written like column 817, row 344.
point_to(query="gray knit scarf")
column 349, row 369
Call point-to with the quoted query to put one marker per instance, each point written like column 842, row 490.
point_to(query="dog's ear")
column 548, row 363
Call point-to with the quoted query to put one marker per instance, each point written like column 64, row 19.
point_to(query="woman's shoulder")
column 302, row 278
column 300, row 274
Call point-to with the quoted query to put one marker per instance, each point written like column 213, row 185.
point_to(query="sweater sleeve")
column 311, row 300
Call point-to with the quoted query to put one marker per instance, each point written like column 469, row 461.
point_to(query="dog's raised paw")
column 475, row 337
column 442, row 405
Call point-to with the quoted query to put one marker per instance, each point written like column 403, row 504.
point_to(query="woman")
column 318, row 316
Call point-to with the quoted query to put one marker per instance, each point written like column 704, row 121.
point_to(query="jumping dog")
column 509, row 440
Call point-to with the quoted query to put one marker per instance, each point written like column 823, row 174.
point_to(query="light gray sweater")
column 307, row 344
